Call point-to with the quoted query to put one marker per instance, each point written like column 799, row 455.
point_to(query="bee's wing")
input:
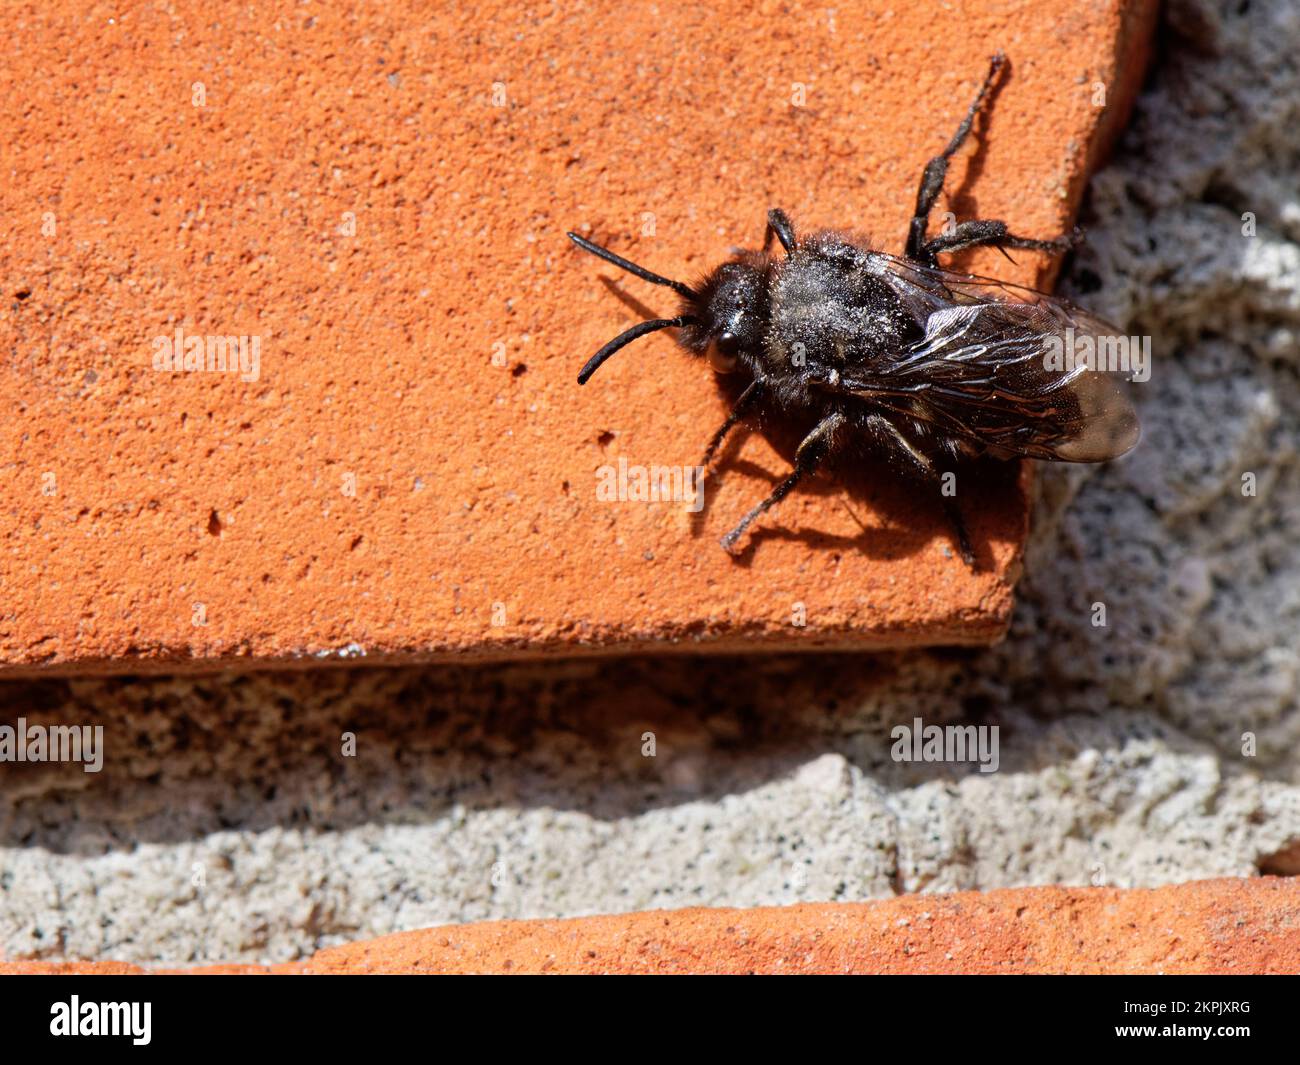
column 982, row 370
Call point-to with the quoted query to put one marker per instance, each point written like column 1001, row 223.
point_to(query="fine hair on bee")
column 934, row 366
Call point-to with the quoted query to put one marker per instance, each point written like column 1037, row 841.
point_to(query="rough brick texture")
column 380, row 197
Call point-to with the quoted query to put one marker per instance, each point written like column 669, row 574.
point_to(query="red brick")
column 376, row 361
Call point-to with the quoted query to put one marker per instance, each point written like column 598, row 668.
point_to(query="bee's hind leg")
column 994, row 234
column 959, row 532
column 811, row 453
column 925, row 467
column 937, row 169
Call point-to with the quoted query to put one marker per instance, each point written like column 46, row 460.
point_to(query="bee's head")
column 731, row 308
column 723, row 317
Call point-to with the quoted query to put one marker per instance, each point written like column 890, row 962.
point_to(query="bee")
column 933, row 366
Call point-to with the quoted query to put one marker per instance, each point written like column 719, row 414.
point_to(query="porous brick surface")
column 379, row 196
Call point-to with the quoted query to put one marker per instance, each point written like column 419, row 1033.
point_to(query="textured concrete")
column 410, row 471
column 227, row 827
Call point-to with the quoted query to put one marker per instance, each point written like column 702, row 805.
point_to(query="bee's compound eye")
column 723, row 352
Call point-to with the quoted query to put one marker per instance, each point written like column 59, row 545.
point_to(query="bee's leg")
column 925, row 467
column 937, row 169
column 778, row 223
column 994, row 234
column 748, row 398
column 958, row 523
column 814, row 448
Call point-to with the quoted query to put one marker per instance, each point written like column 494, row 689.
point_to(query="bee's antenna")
column 623, row 339
column 632, row 268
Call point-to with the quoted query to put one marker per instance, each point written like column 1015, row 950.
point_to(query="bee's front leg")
column 748, row 398
column 780, row 226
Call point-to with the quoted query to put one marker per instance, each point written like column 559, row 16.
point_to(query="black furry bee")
column 934, row 365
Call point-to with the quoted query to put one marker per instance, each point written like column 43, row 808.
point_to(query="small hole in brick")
column 22, row 293
column 214, row 524
column 605, row 439
column 356, row 542
column 519, row 370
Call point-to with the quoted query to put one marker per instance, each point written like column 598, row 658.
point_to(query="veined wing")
column 995, row 366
